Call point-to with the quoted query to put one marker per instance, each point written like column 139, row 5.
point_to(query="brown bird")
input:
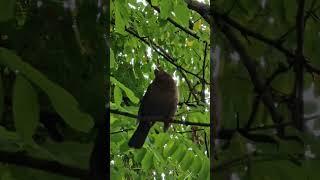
column 159, row 103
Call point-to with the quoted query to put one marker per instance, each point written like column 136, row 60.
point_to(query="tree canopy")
column 146, row 34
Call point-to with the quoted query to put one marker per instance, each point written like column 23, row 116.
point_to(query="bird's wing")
column 145, row 98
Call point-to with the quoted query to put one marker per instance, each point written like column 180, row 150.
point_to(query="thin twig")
column 159, row 119
column 163, row 53
column 186, row 30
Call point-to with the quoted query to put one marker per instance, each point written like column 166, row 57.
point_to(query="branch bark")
column 158, row 119
column 297, row 110
column 257, row 80
column 21, row 159
column 186, row 30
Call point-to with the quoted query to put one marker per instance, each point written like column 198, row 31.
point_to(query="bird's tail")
column 140, row 135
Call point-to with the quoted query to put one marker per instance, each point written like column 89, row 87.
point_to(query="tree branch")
column 158, row 119
column 257, row 81
column 186, row 30
column 21, row 159
column 201, row 8
column 163, row 53
column 203, row 73
column 258, row 36
column 297, row 110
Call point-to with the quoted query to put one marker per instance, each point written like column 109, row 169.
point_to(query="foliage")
column 141, row 38
column 256, row 152
column 47, row 51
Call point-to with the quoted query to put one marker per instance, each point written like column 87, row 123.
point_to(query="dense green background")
column 141, row 37
column 267, row 32
column 52, row 58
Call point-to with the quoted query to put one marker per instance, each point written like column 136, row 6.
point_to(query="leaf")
column 161, row 139
column 155, row 2
column 124, row 147
column 182, row 12
column 7, row 175
column 170, row 148
column 197, row 25
column 7, row 8
column 119, row 24
column 25, row 108
column 140, row 153
column 1, row 97
column 197, row 117
column 190, row 43
column 179, row 153
column 69, row 152
column 8, row 135
column 165, row 8
column 290, row 10
column 312, row 169
column 204, row 172
column 63, row 102
column 121, row 16
column 196, row 165
column 250, row 7
column 117, row 95
column 147, row 161
column 237, row 146
column 112, row 58
column 128, row 92
column 187, row 160
column 116, row 175
column 284, row 82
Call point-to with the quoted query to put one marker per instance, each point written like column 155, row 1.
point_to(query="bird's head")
column 163, row 77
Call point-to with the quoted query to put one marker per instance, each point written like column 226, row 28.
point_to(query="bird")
column 158, row 103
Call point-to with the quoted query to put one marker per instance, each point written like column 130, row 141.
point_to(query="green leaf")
column 290, row 10
column 238, row 146
column 161, row 139
column 124, row 147
column 63, row 102
column 197, row 25
column 7, row 175
column 179, row 153
column 128, row 92
column 70, row 152
column 204, row 172
column 7, row 8
column 197, row 117
column 182, row 12
column 112, row 58
column 312, row 169
column 116, row 175
column 8, row 135
column 165, row 8
column 155, row 2
column 187, row 160
column 147, row 161
column 140, row 153
column 284, row 82
column 1, row 97
column 121, row 16
column 170, row 148
column 119, row 24
column 196, row 165
column 249, row 6
column 25, row 108
column 117, row 95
